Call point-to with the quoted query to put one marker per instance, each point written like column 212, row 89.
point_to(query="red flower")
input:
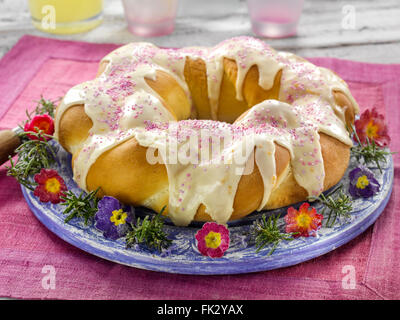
column 212, row 239
column 50, row 186
column 372, row 125
column 304, row 221
column 41, row 122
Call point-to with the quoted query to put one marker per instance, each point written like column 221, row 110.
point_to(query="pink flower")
column 372, row 125
column 43, row 123
column 212, row 239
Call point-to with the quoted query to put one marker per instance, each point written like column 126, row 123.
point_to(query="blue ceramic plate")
column 183, row 257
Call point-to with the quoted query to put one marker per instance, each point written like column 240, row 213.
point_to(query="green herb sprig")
column 85, row 205
column 33, row 155
column 266, row 232
column 43, row 106
column 340, row 206
column 149, row 232
column 370, row 151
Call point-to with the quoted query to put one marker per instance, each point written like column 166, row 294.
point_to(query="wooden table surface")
column 322, row 31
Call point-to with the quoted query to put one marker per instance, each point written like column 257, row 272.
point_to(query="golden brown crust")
column 336, row 156
column 343, row 101
column 123, row 171
column 173, row 96
column 74, row 127
column 196, row 79
column 253, row 93
column 250, row 190
column 102, row 66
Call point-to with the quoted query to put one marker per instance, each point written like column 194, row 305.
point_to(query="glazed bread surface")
column 124, row 172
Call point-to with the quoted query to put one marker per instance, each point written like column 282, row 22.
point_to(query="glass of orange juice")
column 66, row 16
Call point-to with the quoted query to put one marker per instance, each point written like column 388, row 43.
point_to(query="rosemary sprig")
column 83, row 206
column 149, row 232
column 370, row 152
column 340, row 206
column 33, row 155
column 266, row 232
column 43, row 106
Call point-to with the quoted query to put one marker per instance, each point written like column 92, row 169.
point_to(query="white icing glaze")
column 122, row 105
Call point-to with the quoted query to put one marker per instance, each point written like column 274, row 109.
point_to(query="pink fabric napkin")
column 29, row 252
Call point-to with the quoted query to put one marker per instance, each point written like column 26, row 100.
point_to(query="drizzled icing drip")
column 122, row 105
column 246, row 54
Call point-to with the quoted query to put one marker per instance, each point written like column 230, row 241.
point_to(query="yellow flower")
column 118, row 217
column 52, row 185
column 362, row 182
column 213, row 239
column 303, row 219
column 372, row 130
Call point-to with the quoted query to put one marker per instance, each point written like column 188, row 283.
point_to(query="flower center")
column 372, row 130
column 213, row 240
column 43, row 125
column 303, row 220
column 118, row 217
column 52, row 185
column 362, row 182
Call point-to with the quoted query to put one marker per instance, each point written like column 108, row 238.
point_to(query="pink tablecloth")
column 36, row 66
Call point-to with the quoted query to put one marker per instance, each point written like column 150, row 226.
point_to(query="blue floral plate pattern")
column 183, row 257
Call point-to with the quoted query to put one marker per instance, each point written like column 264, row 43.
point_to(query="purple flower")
column 362, row 183
column 111, row 219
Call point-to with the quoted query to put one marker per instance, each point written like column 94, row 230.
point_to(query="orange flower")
column 372, row 125
column 50, row 186
column 303, row 222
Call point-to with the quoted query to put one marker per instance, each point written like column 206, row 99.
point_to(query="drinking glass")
column 66, row 16
column 275, row 18
column 150, row 18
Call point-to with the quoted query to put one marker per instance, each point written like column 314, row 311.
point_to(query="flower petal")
column 303, row 222
column 372, row 125
column 368, row 189
column 40, row 122
column 201, row 235
column 45, row 195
